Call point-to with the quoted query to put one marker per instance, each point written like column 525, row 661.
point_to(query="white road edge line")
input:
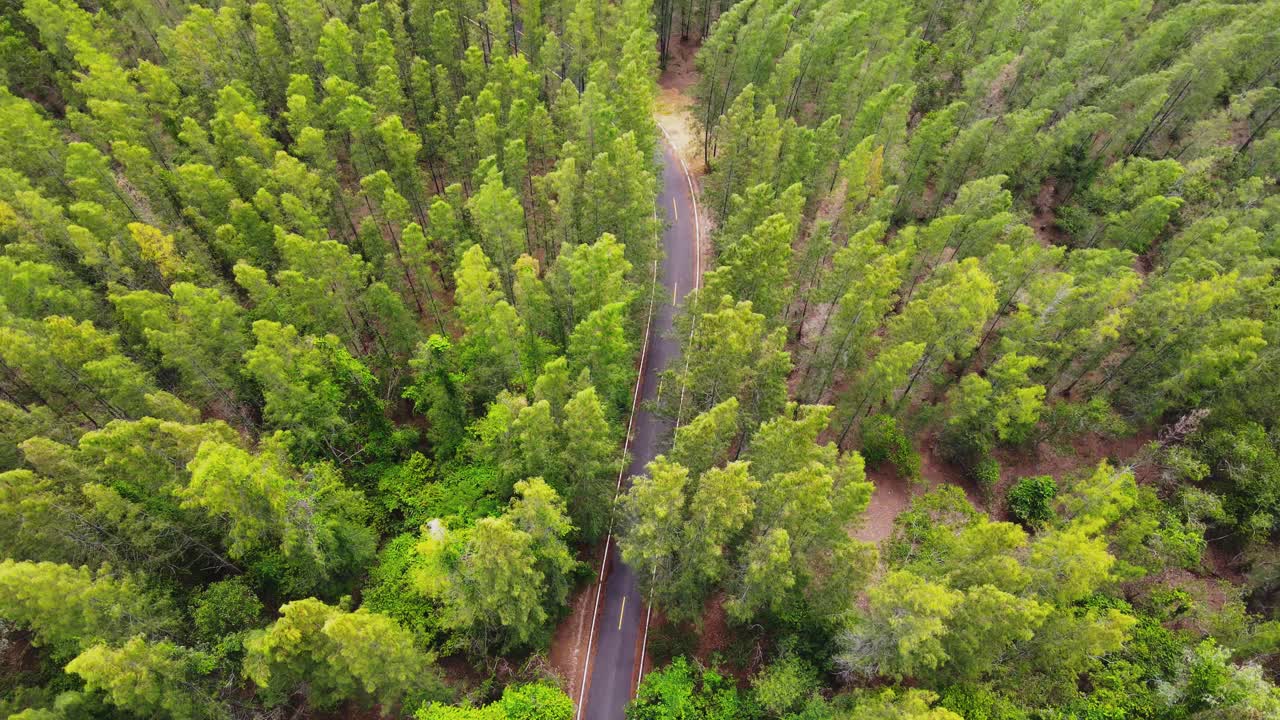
column 626, row 445
column 693, row 200
column 697, row 283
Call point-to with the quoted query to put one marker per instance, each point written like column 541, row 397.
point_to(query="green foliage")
column 987, row 473
column 257, row 499
column 961, row 586
column 1003, row 404
column 1031, row 500
column 903, row 705
column 71, row 608
column 1210, row 683
column 703, row 442
column 1154, row 535
column 1246, row 461
column 995, row 222
column 153, row 679
column 195, row 225
column 784, row 687
column 980, row 701
column 883, row 440
column 902, row 633
column 929, row 519
column 1062, row 421
column 496, row 579
column 390, row 588
column 418, row 491
column 729, row 353
column 225, row 608
column 441, row 394
column 685, row 690
column 330, row 654
column 531, row 701
column 792, row 499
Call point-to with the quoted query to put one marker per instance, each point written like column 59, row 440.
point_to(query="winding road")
column 620, row 618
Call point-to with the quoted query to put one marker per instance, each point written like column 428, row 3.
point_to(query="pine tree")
column 585, row 278
column 197, row 331
column 330, row 655
column 499, row 219
column 591, row 460
column 68, row 608
column 599, row 345
column 654, row 518
column 75, row 369
column 704, row 441
column 315, row 389
column 947, row 319
column 440, row 393
column 493, row 334
column 260, row 499
column 492, row 577
column 156, row 679
column 618, row 192
column 757, row 267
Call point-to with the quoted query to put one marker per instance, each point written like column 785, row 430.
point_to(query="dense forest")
column 317, row 327
column 321, row 326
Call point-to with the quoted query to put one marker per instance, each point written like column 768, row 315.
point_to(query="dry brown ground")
column 893, row 494
column 569, row 644
column 675, row 99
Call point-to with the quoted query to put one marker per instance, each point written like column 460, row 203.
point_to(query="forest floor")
column 893, row 494
column 675, row 99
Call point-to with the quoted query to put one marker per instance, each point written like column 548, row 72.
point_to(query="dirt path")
column 569, row 644
column 892, row 496
column 675, row 101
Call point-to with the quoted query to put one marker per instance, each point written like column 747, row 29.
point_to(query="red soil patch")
column 1223, row 562
column 1083, row 454
column 716, row 638
column 680, row 73
column 675, row 99
column 17, row 655
column 715, row 628
column 892, row 496
column 1044, row 222
column 568, row 654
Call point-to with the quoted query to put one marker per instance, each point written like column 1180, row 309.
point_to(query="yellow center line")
column 622, row 611
column 675, row 209
column 674, row 289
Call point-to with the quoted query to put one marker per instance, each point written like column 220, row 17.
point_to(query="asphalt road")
column 620, row 622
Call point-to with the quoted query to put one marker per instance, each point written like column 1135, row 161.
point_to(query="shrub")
column 223, row 610
column 986, row 473
column 1031, row 500
column 1062, row 421
column 932, row 520
column 882, row 440
column 685, row 690
column 979, row 701
column 964, row 445
column 419, row 490
column 391, row 589
column 783, row 687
